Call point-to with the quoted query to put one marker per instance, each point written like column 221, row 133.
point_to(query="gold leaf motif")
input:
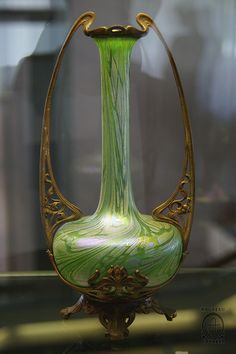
column 182, row 203
column 117, row 283
column 178, row 209
column 54, row 207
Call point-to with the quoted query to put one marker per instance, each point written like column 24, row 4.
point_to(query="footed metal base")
column 117, row 317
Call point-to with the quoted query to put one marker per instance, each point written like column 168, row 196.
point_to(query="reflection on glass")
column 201, row 35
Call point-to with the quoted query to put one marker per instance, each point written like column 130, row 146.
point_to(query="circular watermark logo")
column 213, row 329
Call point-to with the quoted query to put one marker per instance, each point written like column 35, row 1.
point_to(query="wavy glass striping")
column 117, row 233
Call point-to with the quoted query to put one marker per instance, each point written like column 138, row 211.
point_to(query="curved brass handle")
column 55, row 208
column 178, row 209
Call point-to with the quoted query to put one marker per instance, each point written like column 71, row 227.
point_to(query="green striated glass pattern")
column 117, row 233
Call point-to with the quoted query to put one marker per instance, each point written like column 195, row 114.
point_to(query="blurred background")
column 202, row 37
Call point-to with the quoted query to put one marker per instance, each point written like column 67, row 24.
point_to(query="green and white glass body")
column 117, row 233
column 118, row 252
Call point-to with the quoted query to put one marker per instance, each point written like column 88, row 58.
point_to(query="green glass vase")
column 117, row 255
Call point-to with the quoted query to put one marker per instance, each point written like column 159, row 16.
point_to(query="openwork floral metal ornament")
column 117, row 257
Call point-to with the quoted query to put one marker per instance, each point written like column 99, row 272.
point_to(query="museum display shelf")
column 30, row 321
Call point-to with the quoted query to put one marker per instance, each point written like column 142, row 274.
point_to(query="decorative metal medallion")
column 117, row 284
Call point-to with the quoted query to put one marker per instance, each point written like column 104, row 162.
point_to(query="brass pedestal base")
column 117, row 317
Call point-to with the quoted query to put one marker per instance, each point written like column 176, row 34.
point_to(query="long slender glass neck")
column 116, row 191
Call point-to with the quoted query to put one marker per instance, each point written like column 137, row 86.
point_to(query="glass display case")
column 201, row 35
column 205, row 300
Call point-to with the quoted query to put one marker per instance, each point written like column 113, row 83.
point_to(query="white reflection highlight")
column 113, row 220
column 227, row 48
column 90, row 242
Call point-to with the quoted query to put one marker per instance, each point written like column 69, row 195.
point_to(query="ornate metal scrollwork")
column 117, row 318
column 178, row 209
column 55, row 208
column 181, row 202
column 117, row 283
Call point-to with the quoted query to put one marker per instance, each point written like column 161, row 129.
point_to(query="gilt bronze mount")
column 117, row 317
